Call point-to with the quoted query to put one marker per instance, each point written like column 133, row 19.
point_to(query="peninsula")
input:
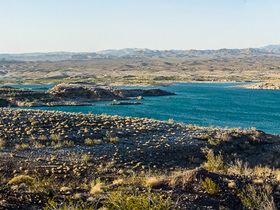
column 72, row 95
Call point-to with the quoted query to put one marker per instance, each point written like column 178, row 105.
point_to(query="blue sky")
column 92, row 25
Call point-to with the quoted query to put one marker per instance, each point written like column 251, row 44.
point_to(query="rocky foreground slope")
column 55, row 159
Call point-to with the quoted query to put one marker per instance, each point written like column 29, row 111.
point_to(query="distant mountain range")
column 142, row 53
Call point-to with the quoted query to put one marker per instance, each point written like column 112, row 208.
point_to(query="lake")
column 203, row 104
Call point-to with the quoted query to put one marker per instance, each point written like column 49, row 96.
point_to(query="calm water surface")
column 202, row 104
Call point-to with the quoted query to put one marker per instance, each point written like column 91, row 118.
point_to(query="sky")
column 93, row 25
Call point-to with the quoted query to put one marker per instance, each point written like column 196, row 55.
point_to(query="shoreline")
column 161, row 83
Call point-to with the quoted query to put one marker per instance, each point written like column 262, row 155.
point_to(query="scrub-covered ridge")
column 55, row 159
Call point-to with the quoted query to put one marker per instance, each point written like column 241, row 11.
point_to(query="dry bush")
column 2, row 144
column 42, row 138
column 89, row 142
column 257, row 197
column 56, row 137
column 182, row 178
column 126, row 199
column 239, row 168
column 96, row 187
column 118, row 181
column 153, row 181
column 210, row 187
column 21, row 179
column 21, row 147
column 215, row 163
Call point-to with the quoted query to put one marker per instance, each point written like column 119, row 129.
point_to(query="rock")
column 65, row 189
column 78, row 196
column 232, row 184
column 3, row 203
column 14, row 187
column 277, row 188
column 258, row 181
column 8, row 87
column 90, row 199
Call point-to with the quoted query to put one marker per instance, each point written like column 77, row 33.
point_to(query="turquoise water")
column 34, row 86
column 203, row 104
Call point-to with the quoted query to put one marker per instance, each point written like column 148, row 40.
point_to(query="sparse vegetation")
column 215, row 163
column 21, row 179
column 111, row 138
column 254, row 197
column 2, row 144
column 210, row 187
column 121, row 199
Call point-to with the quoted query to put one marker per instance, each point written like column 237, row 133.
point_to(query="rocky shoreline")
column 271, row 85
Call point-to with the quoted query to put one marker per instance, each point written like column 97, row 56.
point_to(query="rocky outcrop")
column 125, row 103
column 101, row 93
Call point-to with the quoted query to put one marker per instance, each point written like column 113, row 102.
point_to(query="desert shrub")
column 153, row 181
column 253, row 197
column 238, row 167
column 56, row 137
column 85, row 158
column 34, row 123
column 37, row 184
column 69, row 143
column 226, row 137
column 89, row 142
column 68, row 204
column 2, row 144
column 210, row 187
column 97, row 189
column 37, row 145
column 21, row 179
column 42, row 138
column 182, row 178
column 171, row 121
column 215, row 163
column 213, row 141
column 203, row 136
column 21, row 147
column 122, row 200
column 97, row 141
column 57, row 145
column 118, row 181
column 111, row 138
column 24, row 146
column 40, row 184
column 96, row 186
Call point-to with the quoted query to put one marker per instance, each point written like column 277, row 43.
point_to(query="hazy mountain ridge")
column 132, row 53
